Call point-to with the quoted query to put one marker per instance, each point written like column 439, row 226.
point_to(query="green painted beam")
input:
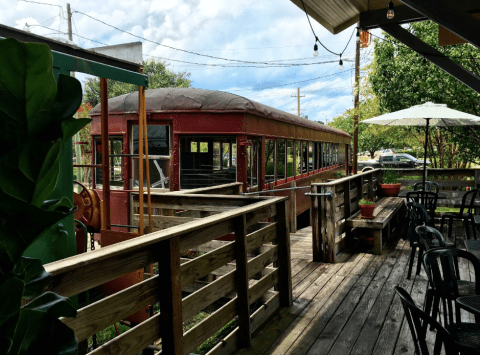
column 65, row 62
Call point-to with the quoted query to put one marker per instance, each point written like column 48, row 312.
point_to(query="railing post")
column 294, row 208
column 331, row 228
column 322, row 225
column 316, row 242
column 284, row 266
column 170, row 289
column 347, row 199
column 243, row 306
column 359, row 182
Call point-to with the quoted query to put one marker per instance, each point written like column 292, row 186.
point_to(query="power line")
column 65, row 33
column 178, row 49
column 44, row 3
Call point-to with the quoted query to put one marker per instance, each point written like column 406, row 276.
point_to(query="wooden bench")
column 385, row 209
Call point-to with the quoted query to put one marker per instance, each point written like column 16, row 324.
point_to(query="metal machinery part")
column 88, row 212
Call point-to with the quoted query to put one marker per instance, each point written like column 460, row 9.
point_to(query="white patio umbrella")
column 427, row 114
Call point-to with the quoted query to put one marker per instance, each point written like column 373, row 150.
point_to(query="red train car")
column 199, row 138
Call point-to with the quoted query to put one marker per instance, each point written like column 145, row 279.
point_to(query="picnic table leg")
column 377, row 241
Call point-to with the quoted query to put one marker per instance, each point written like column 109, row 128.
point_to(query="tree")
column 159, row 76
column 370, row 137
column 402, row 78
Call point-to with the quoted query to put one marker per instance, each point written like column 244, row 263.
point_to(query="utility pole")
column 69, row 18
column 78, row 150
column 355, row 116
column 298, row 101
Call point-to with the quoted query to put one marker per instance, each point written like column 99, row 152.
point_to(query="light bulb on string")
column 315, row 50
column 341, row 62
column 390, row 12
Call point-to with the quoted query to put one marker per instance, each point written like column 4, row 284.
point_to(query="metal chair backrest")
column 425, row 198
column 430, row 237
column 429, row 186
column 441, row 266
column 468, row 201
column 417, row 216
column 418, row 322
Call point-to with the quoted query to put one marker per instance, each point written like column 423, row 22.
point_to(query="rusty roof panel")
column 193, row 100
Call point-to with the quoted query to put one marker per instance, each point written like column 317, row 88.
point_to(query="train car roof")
column 190, row 100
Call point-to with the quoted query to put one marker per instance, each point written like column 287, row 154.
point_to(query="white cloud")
column 248, row 30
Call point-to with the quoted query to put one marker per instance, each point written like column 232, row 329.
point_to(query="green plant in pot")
column 366, row 208
column 36, row 124
column 390, row 185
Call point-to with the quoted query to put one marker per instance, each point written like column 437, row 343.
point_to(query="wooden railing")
column 451, row 181
column 265, row 276
column 328, row 213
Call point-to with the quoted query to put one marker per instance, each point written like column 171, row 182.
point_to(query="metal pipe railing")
column 277, row 190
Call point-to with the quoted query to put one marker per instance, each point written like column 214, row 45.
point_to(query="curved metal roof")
column 199, row 100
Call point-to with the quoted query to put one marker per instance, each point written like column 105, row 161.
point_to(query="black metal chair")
column 442, row 268
column 429, row 186
column 427, row 199
column 456, row 338
column 430, row 238
column 465, row 214
column 417, row 216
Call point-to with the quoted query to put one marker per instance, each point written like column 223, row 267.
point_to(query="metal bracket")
column 328, row 194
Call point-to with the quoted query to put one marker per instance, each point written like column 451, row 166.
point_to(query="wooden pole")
column 355, row 105
column 105, row 153
column 284, row 258
column 147, row 164
column 141, row 94
column 316, row 241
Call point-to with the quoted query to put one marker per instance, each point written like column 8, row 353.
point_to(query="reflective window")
column 290, row 154
column 269, row 160
column 298, row 157
column 281, row 159
column 116, row 171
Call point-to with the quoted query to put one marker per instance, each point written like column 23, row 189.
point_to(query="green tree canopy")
column 402, row 78
column 370, row 137
column 159, row 76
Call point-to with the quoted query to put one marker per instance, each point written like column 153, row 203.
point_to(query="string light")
column 341, row 62
column 390, row 12
column 315, row 49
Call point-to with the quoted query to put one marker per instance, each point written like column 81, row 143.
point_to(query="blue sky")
column 275, row 32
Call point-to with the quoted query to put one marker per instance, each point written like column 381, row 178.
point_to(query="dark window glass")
column 158, row 139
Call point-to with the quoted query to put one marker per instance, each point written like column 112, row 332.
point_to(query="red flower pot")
column 366, row 211
column 391, row 190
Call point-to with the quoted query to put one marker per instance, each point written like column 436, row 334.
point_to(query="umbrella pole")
column 425, row 154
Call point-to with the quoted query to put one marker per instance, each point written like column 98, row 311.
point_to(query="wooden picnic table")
column 385, row 209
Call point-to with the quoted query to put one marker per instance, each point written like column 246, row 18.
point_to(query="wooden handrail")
column 82, row 272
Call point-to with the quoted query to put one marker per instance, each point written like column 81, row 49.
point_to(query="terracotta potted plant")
column 366, row 208
column 390, row 185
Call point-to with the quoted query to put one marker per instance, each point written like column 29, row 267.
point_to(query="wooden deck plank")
column 376, row 272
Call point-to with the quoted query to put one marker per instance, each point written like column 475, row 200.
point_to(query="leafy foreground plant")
column 36, row 122
column 390, row 176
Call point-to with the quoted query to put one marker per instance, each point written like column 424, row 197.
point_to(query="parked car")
column 392, row 160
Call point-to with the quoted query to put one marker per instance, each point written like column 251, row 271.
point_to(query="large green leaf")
column 11, row 292
column 39, row 331
column 68, row 99
column 72, row 126
column 54, row 304
column 12, row 180
column 31, row 271
column 31, row 157
column 12, row 90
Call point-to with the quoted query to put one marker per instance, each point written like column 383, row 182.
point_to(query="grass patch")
column 447, row 209
column 215, row 339
column 106, row 335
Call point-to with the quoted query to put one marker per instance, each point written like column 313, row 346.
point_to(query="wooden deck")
column 345, row 308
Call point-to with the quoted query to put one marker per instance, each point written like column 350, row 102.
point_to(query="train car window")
column 298, row 157
column 217, row 164
column 207, row 161
column 203, row 147
column 315, row 155
column 159, row 157
column 305, row 157
column 116, row 170
column 252, row 163
column 290, row 155
column 310, row 156
column 269, row 160
column 281, row 159
column 320, row 155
